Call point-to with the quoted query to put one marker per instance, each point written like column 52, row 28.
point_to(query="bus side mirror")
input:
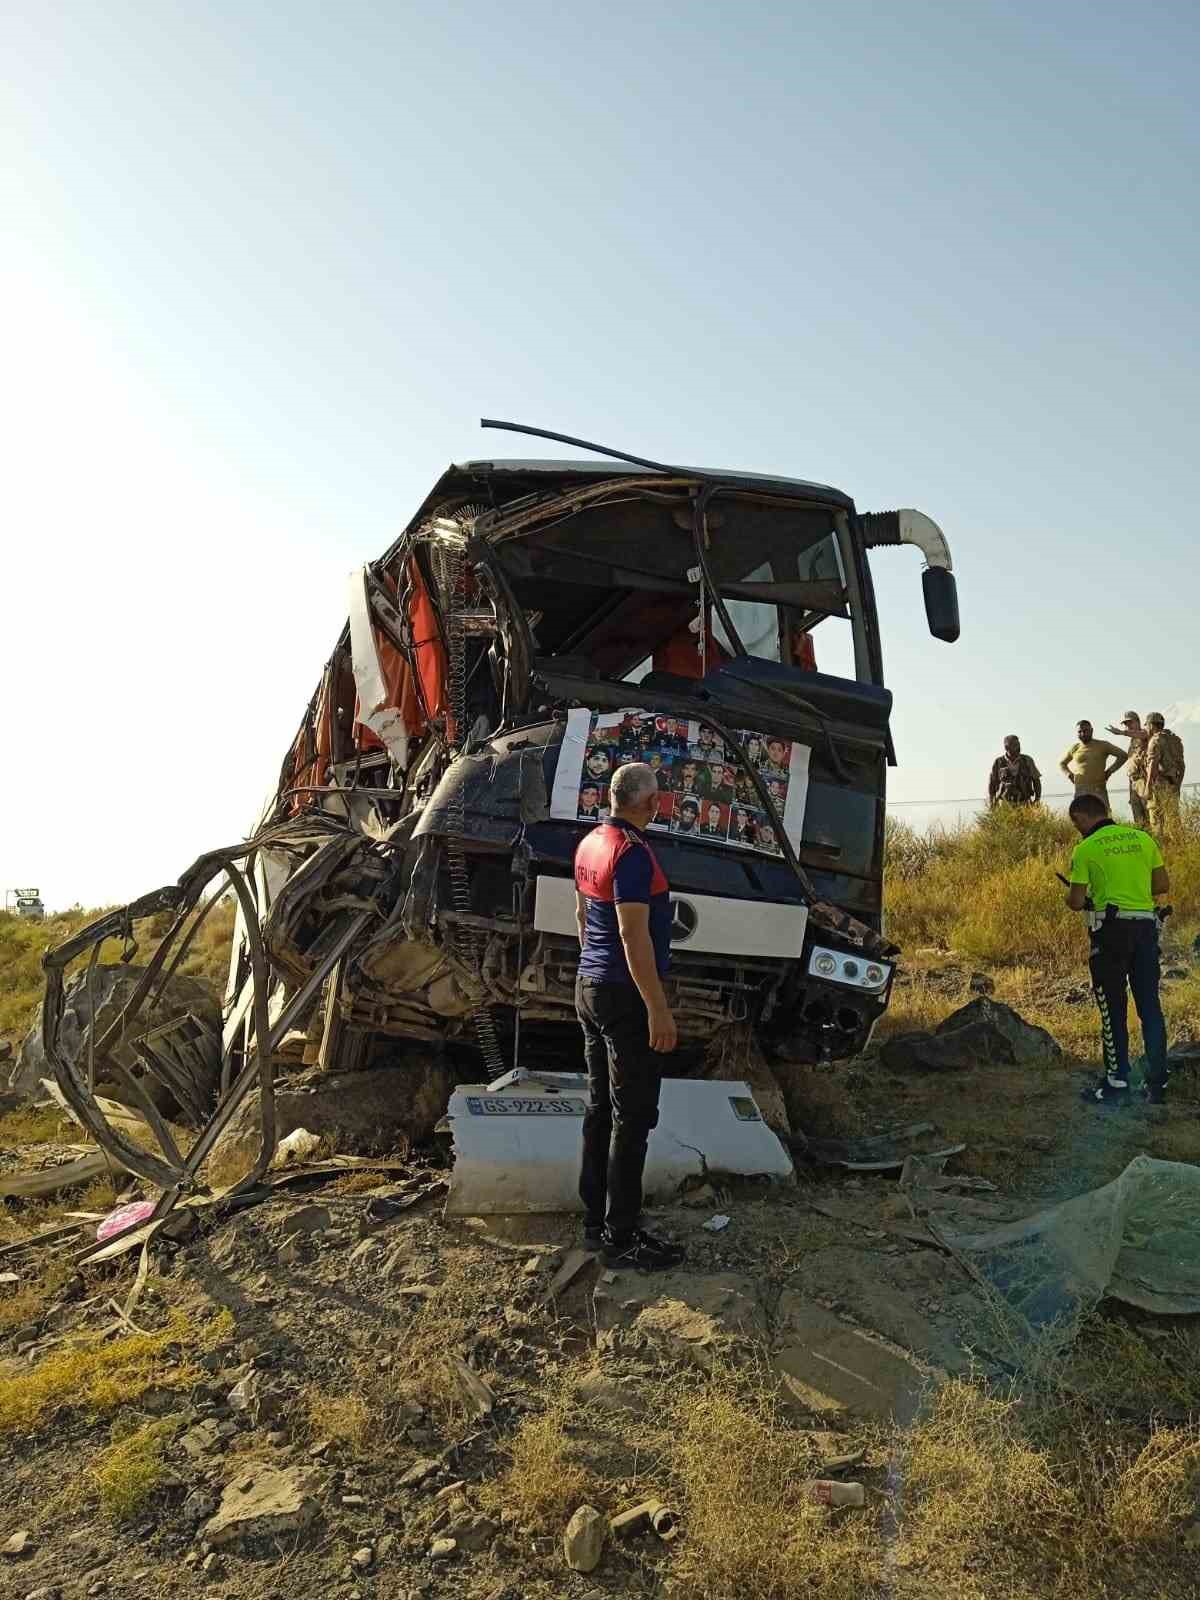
column 941, row 603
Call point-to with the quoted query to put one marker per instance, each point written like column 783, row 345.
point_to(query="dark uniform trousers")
column 624, row 1080
column 1124, row 959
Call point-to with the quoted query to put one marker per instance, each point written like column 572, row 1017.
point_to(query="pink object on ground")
column 124, row 1217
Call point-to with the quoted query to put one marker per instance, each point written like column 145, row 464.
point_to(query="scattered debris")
column 500, row 1169
column 50, row 1180
column 443, row 1549
column 636, row 1520
column 830, row 1366
column 18, row 1544
column 583, row 1540
column 1136, row 1239
column 697, row 1317
column 879, row 1152
column 718, row 1223
column 474, row 1390
column 827, row 1492
column 124, row 1217
column 574, row 1264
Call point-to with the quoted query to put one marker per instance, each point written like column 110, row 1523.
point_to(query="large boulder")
column 110, row 988
column 369, row 1112
column 985, row 1032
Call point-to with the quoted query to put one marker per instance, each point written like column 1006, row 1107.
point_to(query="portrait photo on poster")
column 704, row 791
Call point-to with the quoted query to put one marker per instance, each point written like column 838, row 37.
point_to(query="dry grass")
column 131, row 1469
column 751, row 1532
column 988, row 890
column 40, row 1125
column 22, row 945
column 28, row 1301
column 99, row 1377
column 1040, row 1496
column 345, row 1418
column 972, row 1485
column 546, row 1479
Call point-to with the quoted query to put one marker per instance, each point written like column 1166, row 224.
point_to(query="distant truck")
column 25, row 903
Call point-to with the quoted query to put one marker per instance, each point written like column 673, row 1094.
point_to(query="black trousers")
column 1124, row 959
column 624, row 1080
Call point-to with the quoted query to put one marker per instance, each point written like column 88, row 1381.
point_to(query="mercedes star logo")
column 684, row 921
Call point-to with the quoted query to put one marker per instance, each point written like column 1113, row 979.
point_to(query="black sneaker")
column 593, row 1238
column 642, row 1252
column 1107, row 1092
column 1156, row 1094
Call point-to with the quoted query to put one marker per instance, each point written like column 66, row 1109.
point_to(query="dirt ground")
column 325, row 1333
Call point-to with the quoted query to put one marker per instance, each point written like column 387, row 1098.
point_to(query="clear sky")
column 267, row 265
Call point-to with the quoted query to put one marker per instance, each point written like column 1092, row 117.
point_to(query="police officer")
column 1117, row 874
column 623, row 910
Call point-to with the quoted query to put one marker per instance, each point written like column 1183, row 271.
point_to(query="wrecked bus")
column 534, row 625
column 539, row 622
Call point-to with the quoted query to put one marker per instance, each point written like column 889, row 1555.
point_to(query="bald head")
column 634, row 793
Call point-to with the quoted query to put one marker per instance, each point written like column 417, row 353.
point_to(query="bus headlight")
column 835, row 967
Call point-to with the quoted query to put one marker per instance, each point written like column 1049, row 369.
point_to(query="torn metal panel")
column 517, row 1149
column 385, row 720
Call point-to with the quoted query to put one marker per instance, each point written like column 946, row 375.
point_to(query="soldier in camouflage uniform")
column 1165, row 768
column 1131, row 729
column 1014, row 779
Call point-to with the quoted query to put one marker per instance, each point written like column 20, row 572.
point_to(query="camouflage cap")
column 1131, row 716
column 1155, row 719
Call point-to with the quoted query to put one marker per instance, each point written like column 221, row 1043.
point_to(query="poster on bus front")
column 703, row 790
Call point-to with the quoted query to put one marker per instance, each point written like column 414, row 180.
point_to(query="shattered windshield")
column 619, row 585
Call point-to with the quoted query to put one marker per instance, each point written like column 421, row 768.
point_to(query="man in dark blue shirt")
column 623, row 907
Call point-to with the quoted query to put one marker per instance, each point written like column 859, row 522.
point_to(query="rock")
column 212, row 1565
column 385, row 1546
column 305, row 1219
column 691, row 1315
column 263, row 1502
column 442, row 1549
column 201, row 1439
column 199, row 1506
column 1175, row 972
column 244, row 1394
column 583, row 1540
column 353, row 1501
column 984, row 1032
column 980, row 983
column 363, row 1559
column 370, row 1111
column 417, row 1473
column 597, row 1389
column 472, row 1531
column 112, row 986
column 18, row 1544
column 48, row 1591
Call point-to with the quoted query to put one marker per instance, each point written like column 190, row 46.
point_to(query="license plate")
column 514, row 1106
